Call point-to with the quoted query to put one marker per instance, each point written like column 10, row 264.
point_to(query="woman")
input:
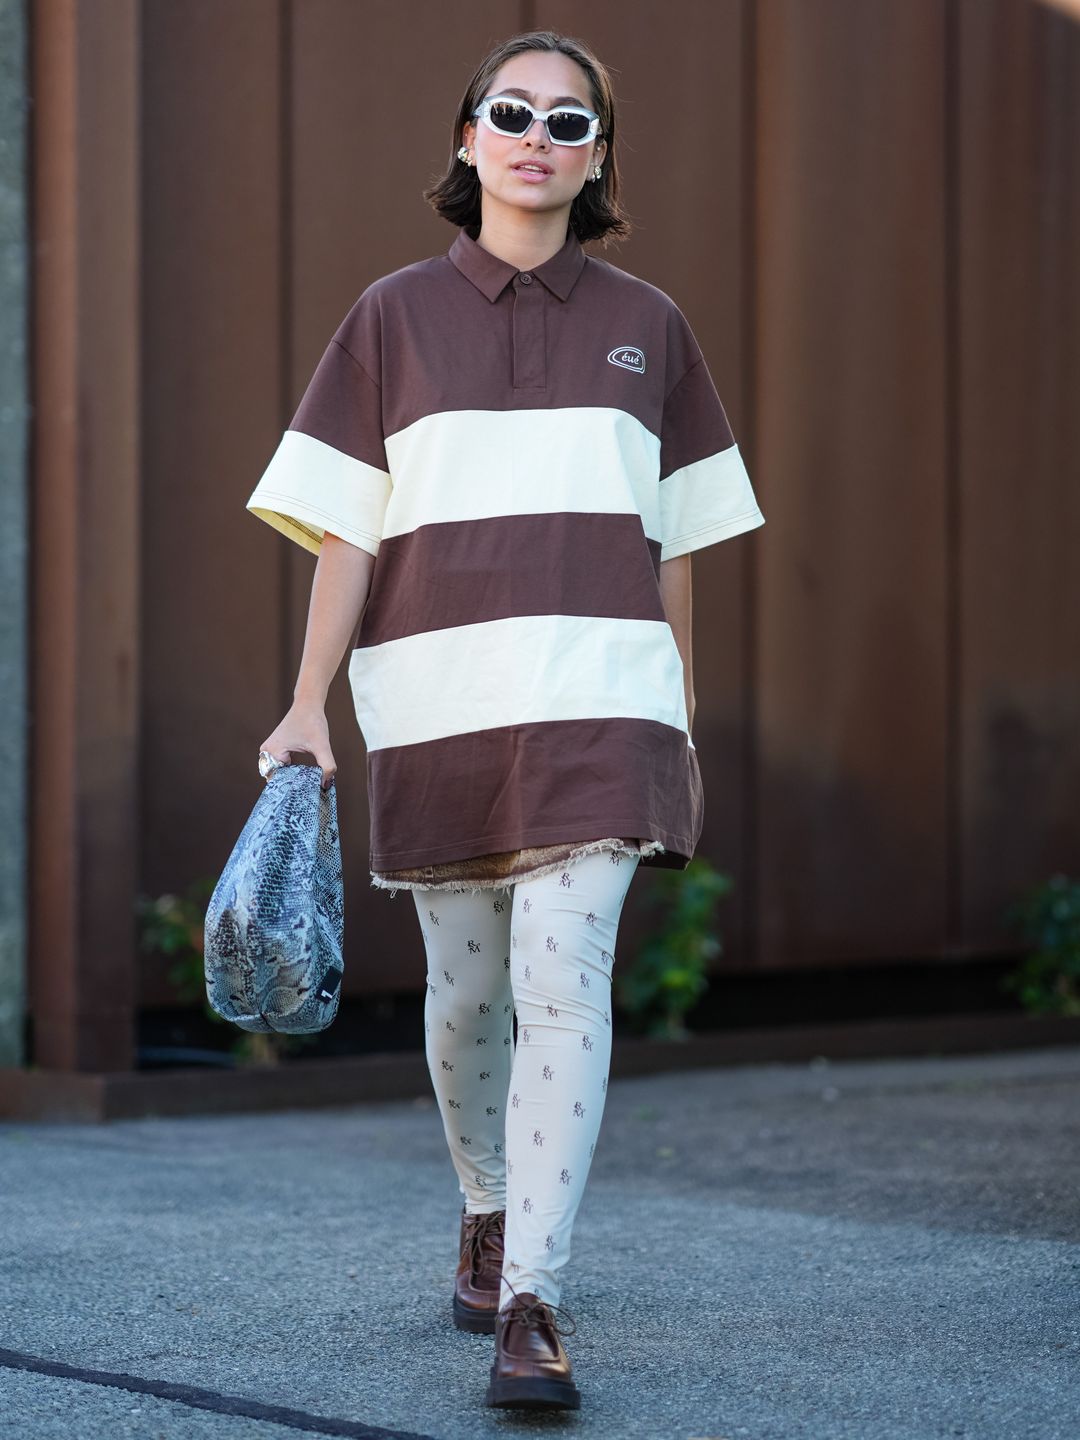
column 503, row 460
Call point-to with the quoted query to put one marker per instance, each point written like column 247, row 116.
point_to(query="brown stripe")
column 466, row 571
column 541, row 784
column 695, row 422
column 340, row 407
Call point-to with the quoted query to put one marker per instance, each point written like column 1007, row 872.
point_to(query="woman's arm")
column 675, row 594
column 339, row 592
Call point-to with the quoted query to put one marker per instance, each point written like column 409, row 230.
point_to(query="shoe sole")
column 533, row 1393
column 479, row 1322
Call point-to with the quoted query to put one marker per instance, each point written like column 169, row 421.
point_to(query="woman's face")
column 546, row 79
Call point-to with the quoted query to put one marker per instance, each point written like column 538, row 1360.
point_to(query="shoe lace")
column 539, row 1312
column 477, row 1236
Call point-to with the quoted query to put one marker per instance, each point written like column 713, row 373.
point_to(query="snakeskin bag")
column 275, row 923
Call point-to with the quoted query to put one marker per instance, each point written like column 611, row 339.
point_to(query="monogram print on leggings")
column 482, row 932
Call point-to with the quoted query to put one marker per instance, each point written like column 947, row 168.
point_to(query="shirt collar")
column 491, row 275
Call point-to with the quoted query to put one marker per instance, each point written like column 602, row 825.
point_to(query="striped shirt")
column 520, row 450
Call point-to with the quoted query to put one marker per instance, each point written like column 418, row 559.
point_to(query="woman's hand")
column 304, row 730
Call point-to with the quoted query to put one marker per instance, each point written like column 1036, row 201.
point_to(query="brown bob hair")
column 596, row 212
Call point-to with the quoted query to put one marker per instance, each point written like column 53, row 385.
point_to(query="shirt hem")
column 641, row 851
column 516, row 840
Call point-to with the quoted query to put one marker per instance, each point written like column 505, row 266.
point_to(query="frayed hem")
column 478, row 887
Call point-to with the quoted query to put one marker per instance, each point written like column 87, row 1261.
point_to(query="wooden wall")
column 871, row 216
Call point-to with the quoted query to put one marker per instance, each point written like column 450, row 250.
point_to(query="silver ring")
column 268, row 764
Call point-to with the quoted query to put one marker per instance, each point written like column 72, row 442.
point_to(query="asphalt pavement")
column 887, row 1250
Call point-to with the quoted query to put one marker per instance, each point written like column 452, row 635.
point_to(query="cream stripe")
column 516, row 671
column 705, row 502
column 309, row 487
column 479, row 464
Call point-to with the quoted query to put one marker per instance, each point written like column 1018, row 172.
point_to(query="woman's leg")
column 563, row 928
column 468, row 1030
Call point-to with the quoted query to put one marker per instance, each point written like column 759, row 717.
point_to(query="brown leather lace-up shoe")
column 480, row 1261
column 531, row 1369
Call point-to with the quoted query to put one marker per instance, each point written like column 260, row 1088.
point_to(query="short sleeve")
column 329, row 471
column 705, row 492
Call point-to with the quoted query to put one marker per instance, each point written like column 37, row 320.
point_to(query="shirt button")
column 526, row 278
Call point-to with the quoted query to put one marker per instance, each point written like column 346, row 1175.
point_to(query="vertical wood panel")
column 211, row 332
column 85, row 500
column 851, row 441
column 1019, row 455
column 684, row 167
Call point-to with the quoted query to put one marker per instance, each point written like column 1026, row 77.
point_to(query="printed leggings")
column 521, row 1121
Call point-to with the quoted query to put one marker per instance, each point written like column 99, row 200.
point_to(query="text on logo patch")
column 629, row 357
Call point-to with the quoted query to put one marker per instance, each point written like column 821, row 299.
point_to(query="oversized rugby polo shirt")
column 520, row 450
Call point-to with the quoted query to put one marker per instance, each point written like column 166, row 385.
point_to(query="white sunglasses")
column 565, row 125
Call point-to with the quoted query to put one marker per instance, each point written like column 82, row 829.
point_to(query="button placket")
column 530, row 334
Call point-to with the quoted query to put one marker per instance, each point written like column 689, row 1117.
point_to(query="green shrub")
column 663, row 981
column 1048, row 917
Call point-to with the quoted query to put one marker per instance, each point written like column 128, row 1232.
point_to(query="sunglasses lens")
column 567, row 126
column 511, row 119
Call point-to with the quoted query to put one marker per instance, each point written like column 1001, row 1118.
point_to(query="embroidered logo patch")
column 630, row 357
